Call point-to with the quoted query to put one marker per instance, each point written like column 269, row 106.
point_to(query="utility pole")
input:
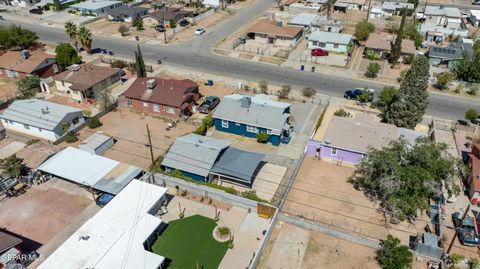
column 151, row 153
column 368, row 10
column 163, row 22
column 456, row 229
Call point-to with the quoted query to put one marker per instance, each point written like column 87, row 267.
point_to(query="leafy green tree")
column 16, row 37
column 372, row 70
column 172, row 24
column 123, row 30
column 411, row 103
column 138, row 24
column 386, row 98
column 71, row 137
column 140, row 64
column 66, row 55
column 85, row 37
column 414, row 2
column 404, row 177
column 104, row 98
column 94, row 122
column 284, row 92
column 443, row 79
column 411, row 32
column 393, row 255
column 28, row 87
column 471, row 115
column 13, row 166
column 397, row 45
column 468, row 68
column 363, row 30
column 71, row 30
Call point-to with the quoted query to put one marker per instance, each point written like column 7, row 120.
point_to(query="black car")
column 356, row 93
column 36, row 11
column 184, row 23
column 210, row 103
column 160, row 28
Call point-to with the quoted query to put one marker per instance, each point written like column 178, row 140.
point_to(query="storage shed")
column 97, row 143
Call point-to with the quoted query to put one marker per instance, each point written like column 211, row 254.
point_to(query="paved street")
column 196, row 54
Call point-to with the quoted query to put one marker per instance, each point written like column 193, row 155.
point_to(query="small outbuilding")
column 97, row 143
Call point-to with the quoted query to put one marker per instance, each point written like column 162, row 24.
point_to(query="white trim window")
column 333, row 152
column 224, row 123
column 156, row 108
column 145, row 104
column 252, row 129
column 269, row 131
column 169, row 109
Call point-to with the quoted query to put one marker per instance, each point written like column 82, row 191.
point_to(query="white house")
column 333, row 42
column 120, row 235
column 303, row 19
column 40, row 119
column 96, row 8
column 211, row 3
column 449, row 17
column 388, row 9
column 475, row 17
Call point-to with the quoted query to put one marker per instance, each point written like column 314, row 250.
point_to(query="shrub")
column 443, row 79
column 308, row 92
column 262, row 137
column 284, row 92
column 471, row 115
column 408, row 59
column 372, row 70
column 224, row 231
column 341, row 113
column 473, row 90
column 123, row 30
column 393, row 255
column 71, row 137
column 459, row 87
column 206, row 123
column 93, row 123
column 246, row 88
column 252, row 195
column 363, row 30
column 263, row 85
column 118, row 64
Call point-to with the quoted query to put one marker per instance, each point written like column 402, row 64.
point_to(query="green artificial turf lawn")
column 189, row 241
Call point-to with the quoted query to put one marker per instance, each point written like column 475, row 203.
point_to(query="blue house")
column 203, row 158
column 247, row 116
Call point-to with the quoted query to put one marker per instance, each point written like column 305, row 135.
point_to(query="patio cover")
column 117, row 179
column 238, row 164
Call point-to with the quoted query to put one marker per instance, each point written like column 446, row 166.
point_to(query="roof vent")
column 279, row 23
column 45, row 110
column 151, row 84
column 83, row 237
column 246, row 101
column 75, row 67
column 25, row 54
column 200, row 141
column 328, row 141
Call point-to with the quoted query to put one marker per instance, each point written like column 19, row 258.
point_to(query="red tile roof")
column 170, row 92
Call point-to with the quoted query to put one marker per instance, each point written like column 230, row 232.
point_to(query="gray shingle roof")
column 262, row 112
column 38, row 113
column 239, row 164
column 452, row 12
column 329, row 37
column 126, row 10
column 194, row 154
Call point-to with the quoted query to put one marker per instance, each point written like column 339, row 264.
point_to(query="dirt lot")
column 322, row 193
column 41, row 213
column 8, row 88
column 293, row 247
column 129, row 129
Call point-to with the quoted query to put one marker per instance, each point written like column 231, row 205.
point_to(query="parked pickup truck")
column 467, row 233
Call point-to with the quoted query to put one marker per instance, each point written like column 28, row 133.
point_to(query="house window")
column 322, row 44
column 63, row 83
column 237, row 124
column 333, row 152
column 225, row 123
column 251, row 129
column 315, row 43
column 145, row 104
column 169, row 109
column 156, row 107
column 75, row 120
column 129, row 101
column 26, row 126
column 269, row 131
column 335, row 46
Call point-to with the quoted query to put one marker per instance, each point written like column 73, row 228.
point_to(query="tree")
column 172, row 24
column 403, row 176
column 16, row 37
column 138, row 24
column 386, row 98
column 13, row 166
column 56, row 5
column 411, row 102
column 363, row 30
column 414, row 2
column 139, row 64
column 308, row 92
column 284, row 92
column 104, row 98
column 198, row 4
column 443, row 79
column 123, row 30
column 28, row 87
column 468, row 68
column 372, row 70
column 471, row 115
column 66, row 55
column 455, row 259
column 71, row 30
column 393, row 255
column 85, row 37
column 263, row 85
column 94, row 122
column 411, row 32
column 329, row 6
column 397, row 45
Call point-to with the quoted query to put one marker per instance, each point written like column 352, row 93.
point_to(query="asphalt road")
column 196, row 54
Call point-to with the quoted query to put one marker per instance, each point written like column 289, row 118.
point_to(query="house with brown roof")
column 82, row 81
column 165, row 97
column 473, row 179
column 272, row 32
column 18, row 64
column 165, row 15
column 381, row 45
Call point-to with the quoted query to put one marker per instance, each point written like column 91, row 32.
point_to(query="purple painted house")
column 347, row 139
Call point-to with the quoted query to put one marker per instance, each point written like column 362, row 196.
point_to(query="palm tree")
column 72, row 31
column 85, row 38
column 330, row 4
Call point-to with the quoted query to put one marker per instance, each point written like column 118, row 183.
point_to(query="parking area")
column 129, row 129
column 322, row 193
column 44, row 211
column 61, row 17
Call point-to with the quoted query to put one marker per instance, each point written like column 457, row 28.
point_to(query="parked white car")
column 200, row 31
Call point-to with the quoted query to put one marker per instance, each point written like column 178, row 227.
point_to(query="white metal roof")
column 78, row 166
column 94, row 5
column 115, row 234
